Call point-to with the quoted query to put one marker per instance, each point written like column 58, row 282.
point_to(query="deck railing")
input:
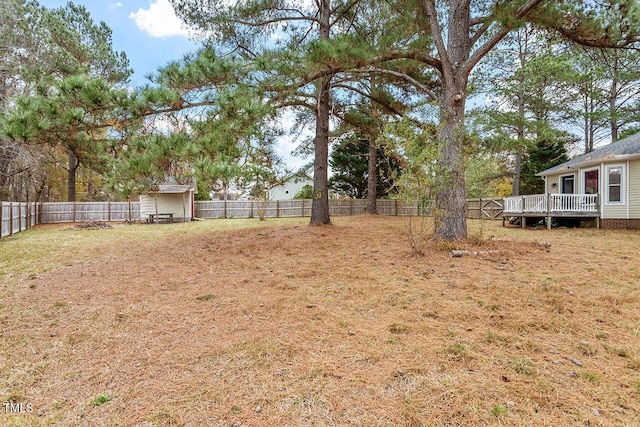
column 552, row 203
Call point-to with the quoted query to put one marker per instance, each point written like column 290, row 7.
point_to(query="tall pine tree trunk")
column 372, row 177
column 517, row 171
column 613, row 98
column 320, row 203
column 450, row 213
column 71, row 177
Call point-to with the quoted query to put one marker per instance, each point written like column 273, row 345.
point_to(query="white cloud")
column 114, row 5
column 159, row 20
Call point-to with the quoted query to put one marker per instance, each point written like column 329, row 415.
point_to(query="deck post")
column 549, row 211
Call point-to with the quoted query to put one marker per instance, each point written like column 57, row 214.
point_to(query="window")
column 591, row 182
column 614, row 184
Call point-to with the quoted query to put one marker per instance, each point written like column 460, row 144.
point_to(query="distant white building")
column 290, row 187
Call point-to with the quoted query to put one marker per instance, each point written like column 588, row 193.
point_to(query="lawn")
column 275, row 323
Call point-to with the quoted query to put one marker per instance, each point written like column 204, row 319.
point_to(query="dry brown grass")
column 290, row 325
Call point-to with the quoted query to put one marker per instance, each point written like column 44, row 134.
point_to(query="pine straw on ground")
column 337, row 325
column 93, row 225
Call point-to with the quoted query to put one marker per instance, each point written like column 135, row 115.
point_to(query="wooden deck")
column 551, row 206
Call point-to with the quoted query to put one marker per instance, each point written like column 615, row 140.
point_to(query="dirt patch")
column 93, row 225
column 336, row 325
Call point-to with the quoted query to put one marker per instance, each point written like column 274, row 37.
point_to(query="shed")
column 175, row 201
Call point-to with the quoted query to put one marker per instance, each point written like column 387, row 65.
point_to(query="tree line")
column 432, row 99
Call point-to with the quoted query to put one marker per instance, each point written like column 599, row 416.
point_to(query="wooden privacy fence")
column 130, row 211
column 17, row 217
column 55, row 212
column 298, row 208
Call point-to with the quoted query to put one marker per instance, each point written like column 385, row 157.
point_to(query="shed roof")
column 171, row 187
column 625, row 149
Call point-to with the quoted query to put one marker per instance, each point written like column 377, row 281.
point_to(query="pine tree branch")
column 493, row 41
column 426, row 90
column 344, row 11
column 267, row 22
column 436, row 33
column 386, row 105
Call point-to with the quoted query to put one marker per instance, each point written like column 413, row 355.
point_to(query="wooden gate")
column 491, row 208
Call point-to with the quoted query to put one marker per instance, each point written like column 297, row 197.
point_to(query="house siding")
column 634, row 187
column 553, row 179
column 614, row 211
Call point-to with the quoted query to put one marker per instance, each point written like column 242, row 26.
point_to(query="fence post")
column 109, row 211
column 277, row 208
column 302, row 213
column 130, row 221
column 396, row 206
column 10, row 218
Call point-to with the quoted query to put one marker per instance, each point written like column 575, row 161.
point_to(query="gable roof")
column 298, row 177
column 625, row 149
column 171, row 186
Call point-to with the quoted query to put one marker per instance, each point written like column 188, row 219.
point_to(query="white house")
column 603, row 184
column 290, row 187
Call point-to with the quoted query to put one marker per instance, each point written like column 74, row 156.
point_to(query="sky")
column 148, row 31
column 151, row 35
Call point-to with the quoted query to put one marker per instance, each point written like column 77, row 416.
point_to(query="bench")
column 160, row 217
